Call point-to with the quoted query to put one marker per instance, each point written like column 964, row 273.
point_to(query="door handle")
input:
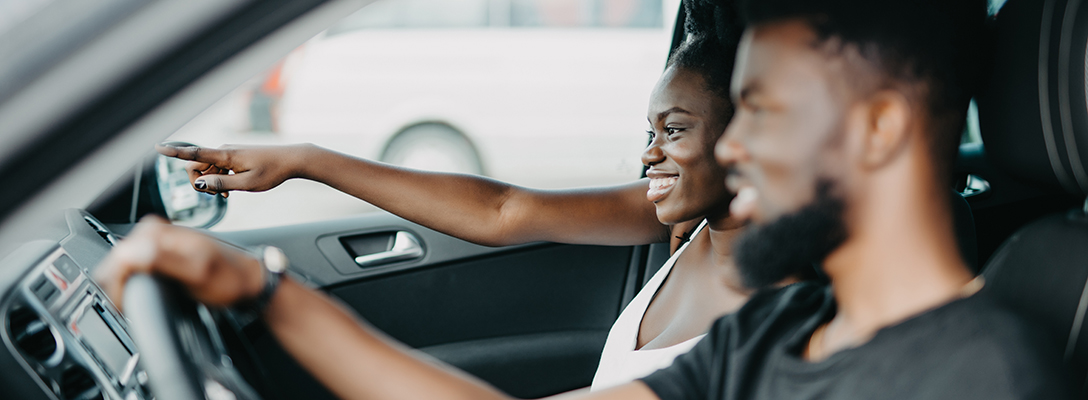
column 975, row 186
column 405, row 247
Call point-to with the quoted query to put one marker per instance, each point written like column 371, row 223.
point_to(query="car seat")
column 964, row 223
column 1034, row 124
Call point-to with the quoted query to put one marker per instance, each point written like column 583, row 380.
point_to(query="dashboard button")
column 67, row 267
column 45, row 290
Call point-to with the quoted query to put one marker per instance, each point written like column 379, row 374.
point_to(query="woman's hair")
column 713, row 29
column 718, row 18
column 705, row 56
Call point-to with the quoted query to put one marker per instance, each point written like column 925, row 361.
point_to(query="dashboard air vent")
column 77, row 383
column 101, row 231
column 32, row 335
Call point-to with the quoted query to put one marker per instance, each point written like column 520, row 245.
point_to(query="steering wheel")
column 180, row 346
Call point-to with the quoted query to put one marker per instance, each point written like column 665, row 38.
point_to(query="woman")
column 689, row 109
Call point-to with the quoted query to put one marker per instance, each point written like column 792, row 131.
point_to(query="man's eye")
column 651, row 133
column 671, row 130
column 749, row 107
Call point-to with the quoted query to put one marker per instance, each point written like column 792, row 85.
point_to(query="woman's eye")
column 672, row 130
column 651, row 133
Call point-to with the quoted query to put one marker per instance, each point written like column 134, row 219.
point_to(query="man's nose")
column 729, row 150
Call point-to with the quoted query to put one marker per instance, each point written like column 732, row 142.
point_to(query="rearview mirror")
column 184, row 205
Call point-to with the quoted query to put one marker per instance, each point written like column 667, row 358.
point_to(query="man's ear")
column 887, row 128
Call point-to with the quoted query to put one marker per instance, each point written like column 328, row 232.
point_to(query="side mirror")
column 184, row 205
column 159, row 185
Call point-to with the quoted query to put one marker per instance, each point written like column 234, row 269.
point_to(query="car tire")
column 433, row 147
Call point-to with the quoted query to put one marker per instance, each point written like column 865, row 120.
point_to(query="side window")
column 586, row 13
column 539, row 93
column 505, row 13
column 971, row 131
column 418, row 14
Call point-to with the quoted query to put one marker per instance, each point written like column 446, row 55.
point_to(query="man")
column 849, row 113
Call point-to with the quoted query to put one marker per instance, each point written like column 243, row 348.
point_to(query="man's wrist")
column 273, row 264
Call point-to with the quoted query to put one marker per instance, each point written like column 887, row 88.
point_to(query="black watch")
column 273, row 264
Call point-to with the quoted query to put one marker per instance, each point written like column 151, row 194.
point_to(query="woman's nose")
column 653, row 154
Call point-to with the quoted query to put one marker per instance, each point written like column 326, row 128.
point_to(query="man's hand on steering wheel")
column 213, row 273
column 246, row 168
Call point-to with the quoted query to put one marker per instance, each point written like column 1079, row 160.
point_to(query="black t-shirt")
column 966, row 349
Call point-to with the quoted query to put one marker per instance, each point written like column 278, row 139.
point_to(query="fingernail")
column 201, row 185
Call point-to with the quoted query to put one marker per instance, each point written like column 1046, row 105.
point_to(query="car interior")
column 529, row 319
column 1033, row 115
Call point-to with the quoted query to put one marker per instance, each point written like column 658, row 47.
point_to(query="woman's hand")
column 214, row 273
column 246, row 168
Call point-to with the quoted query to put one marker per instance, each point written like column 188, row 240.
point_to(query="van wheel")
column 433, row 147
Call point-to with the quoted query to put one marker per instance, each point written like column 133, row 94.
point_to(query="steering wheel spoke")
column 179, row 343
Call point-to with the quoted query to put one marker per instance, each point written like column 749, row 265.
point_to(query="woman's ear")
column 887, row 129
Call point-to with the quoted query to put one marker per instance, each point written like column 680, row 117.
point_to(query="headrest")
column 1033, row 109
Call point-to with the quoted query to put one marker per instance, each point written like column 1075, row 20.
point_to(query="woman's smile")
column 661, row 183
column 686, row 120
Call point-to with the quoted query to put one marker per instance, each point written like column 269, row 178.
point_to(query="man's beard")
column 792, row 244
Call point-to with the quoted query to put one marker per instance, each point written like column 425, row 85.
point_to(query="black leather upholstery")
column 1034, row 120
column 1041, row 272
column 1032, row 111
column 964, row 223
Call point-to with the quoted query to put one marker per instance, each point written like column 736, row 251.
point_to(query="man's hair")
column 934, row 45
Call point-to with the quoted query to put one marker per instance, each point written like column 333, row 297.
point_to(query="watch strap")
column 273, row 263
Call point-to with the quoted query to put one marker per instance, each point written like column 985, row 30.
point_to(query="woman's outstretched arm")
column 473, row 208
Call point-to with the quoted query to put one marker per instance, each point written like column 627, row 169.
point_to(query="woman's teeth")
column 661, row 183
column 659, row 187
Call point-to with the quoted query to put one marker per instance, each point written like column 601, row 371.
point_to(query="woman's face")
column 686, row 121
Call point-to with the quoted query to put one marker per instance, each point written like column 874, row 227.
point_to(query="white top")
column 620, row 362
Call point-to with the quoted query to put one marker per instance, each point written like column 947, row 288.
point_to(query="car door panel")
column 528, row 366
column 538, row 289
column 530, row 319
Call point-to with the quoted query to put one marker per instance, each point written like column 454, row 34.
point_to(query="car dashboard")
column 59, row 326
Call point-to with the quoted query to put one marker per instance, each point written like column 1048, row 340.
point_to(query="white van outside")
column 543, row 93
column 539, row 93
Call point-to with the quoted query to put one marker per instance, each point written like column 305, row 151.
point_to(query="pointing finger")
column 194, row 153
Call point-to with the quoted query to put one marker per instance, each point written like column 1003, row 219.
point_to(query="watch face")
column 275, row 259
